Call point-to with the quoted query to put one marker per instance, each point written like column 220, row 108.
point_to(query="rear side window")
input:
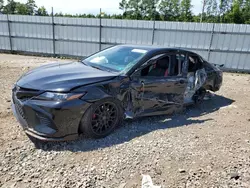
column 195, row 63
column 180, row 57
column 168, row 65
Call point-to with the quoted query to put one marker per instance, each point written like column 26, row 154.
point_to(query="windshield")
column 117, row 58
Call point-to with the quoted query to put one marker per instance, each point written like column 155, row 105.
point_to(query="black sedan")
column 59, row 101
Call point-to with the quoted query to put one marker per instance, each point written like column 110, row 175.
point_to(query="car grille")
column 19, row 109
column 24, row 94
column 20, row 95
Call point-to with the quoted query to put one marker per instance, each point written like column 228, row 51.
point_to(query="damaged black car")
column 60, row 101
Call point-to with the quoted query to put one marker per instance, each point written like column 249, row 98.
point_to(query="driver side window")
column 159, row 68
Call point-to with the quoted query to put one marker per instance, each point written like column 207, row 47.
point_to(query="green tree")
column 116, row 16
column 123, row 5
column 225, row 5
column 41, row 11
column 147, row 9
column 134, row 9
column 197, row 18
column 235, row 14
column 90, row 16
column 139, row 9
column 169, row 9
column 21, row 9
column 211, row 12
column 185, row 11
column 60, row 14
column 246, row 12
column 10, row 7
column 1, row 5
column 31, row 6
column 224, row 8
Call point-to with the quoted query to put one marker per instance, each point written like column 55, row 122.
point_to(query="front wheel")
column 101, row 118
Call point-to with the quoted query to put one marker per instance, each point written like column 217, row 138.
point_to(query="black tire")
column 199, row 96
column 96, row 123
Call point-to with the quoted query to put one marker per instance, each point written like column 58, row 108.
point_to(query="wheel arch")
column 105, row 98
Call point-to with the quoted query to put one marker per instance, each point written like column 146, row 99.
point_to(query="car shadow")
column 141, row 126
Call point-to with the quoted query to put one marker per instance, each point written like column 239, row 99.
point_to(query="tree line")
column 218, row 11
column 28, row 8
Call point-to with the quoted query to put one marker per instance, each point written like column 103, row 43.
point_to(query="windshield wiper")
column 99, row 67
column 84, row 63
column 96, row 67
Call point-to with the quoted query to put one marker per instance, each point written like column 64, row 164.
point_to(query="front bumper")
column 50, row 120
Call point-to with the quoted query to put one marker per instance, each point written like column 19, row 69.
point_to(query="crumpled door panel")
column 195, row 82
column 153, row 96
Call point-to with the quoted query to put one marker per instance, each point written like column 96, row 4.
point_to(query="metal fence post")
column 100, row 31
column 210, row 44
column 154, row 14
column 10, row 37
column 153, row 33
column 53, row 33
column 244, row 38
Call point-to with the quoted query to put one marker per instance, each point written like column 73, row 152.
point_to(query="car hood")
column 62, row 77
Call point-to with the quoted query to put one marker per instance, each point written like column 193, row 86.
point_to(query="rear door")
column 162, row 93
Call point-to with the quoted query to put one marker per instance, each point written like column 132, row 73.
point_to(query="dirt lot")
column 206, row 146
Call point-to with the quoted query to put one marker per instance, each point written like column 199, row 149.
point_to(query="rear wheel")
column 101, row 118
column 199, row 96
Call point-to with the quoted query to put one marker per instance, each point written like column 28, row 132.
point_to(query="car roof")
column 154, row 48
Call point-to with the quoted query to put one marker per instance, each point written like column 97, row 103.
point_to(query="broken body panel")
column 148, row 96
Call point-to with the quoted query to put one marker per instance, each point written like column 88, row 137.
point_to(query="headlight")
column 59, row 96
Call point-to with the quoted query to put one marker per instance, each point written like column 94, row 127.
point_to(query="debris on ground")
column 147, row 182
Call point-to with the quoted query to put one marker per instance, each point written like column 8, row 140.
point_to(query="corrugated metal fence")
column 227, row 44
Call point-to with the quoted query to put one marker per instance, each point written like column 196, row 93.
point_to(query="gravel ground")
column 206, row 146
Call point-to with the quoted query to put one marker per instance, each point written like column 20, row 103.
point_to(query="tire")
column 199, row 96
column 98, row 118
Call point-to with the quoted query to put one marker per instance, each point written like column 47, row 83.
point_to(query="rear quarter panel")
column 214, row 80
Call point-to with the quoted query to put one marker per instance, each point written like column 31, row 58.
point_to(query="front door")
column 160, row 87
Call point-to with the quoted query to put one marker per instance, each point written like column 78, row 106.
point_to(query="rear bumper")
column 214, row 81
column 50, row 121
column 218, row 81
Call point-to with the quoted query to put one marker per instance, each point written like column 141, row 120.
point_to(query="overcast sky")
column 91, row 6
